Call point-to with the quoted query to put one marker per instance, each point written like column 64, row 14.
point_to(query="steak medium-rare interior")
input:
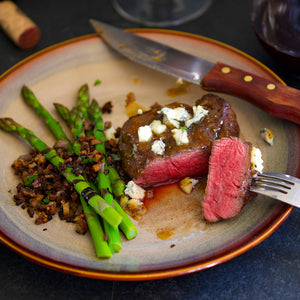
column 228, row 179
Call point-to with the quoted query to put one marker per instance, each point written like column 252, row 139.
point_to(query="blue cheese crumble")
column 180, row 136
column 256, row 160
column 174, row 115
column 158, row 147
column 145, row 133
column 157, row 127
column 110, row 133
column 134, row 191
column 199, row 114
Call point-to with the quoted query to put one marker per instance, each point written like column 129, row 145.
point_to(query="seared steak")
column 228, row 179
column 177, row 160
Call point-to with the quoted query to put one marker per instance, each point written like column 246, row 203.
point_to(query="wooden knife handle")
column 277, row 99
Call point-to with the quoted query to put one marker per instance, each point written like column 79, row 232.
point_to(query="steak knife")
column 275, row 98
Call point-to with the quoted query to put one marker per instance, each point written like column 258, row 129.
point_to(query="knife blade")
column 276, row 98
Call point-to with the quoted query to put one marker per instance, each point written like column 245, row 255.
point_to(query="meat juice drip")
column 171, row 213
column 178, row 91
column 159, row 194
column 165, row 233
column 277, row 26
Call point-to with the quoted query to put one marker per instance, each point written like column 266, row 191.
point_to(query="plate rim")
column 143, row 276
column 157, row 274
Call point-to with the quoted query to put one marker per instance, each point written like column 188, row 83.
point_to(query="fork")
column 285, row 188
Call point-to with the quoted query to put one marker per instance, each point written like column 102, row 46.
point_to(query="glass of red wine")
column 160, row 13
column 277, row 26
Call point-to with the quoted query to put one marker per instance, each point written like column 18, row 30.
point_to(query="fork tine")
column 272, row 183
column 278, row 186
column 286, row 178
column 266, row 186
column 267, row 192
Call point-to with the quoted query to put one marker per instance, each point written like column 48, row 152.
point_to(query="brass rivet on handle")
column 225, row 70
column 271, row 86
column 248, row 78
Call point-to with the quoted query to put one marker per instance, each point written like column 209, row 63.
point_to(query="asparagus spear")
column 77, row 129
column 127, row 227
column 64, row 113
column 117, row 184
column 73, row 119
column 55, row 127
column 96, row 231
column 83, row 99
column 106, row 211
column 95, row 114
column 114, row 240
column 113, row 235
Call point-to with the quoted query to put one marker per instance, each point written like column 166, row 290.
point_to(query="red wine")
column 278, row 29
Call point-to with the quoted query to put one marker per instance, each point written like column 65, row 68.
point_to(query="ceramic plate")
column 172, row 239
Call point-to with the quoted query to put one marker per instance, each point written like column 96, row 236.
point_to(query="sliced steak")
column 148, row 168
column 229, row 177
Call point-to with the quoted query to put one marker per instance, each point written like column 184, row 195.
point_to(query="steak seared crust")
column 178, row 161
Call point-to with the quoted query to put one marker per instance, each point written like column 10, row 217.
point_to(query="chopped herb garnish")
column 46, row 200
column 88, row 160
column 132, row 152
column 9, row 191
column 97, row 82
column 30, row 179
column 116, row 157
column 183, row 127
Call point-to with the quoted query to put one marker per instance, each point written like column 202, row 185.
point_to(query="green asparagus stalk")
column 96, row 231
column 76, row 126
column 114, row 239
column 105, row 210
column 77, row 129
column 117, row 184
column 64, row 113
column 33, row 102
column 126, row 226
column 69, row 117
column 83, row 99
column 113, row 236
column 95, row 114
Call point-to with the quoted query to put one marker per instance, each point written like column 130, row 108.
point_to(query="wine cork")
column 21, row 29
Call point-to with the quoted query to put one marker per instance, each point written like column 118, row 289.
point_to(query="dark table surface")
column 271, row 270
